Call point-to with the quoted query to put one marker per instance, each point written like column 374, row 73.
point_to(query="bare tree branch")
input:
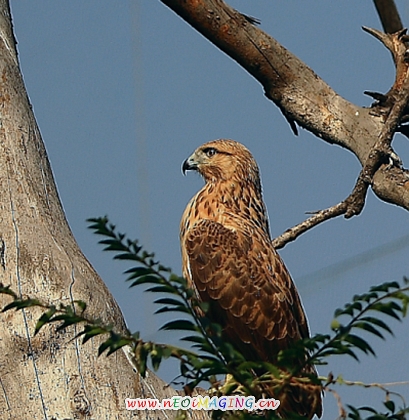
column 292, row 85
column 320, row 216
column 398, row 96
column 388, row 13
column 306, row 99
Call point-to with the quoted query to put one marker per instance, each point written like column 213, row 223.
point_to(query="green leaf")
column 67, row 321
column 177, row 279
column 215, row 356
column 181, row 324
column 92, row 331
column 21, row 304
column 317, row 338
column 390, row 405
column 195, row 339
column 179, row 308
column 113, row 245
column 141, row 354
column 354, row 415
column 113, row 343
column 82, row 305
column 369, row 409
column 44, row 319
column 136, row 335
column 176, row 305
column 156, row 357
column 349, row 309
column 359, row 343
column 6, row 290
column 163, row 288
column 139, row 271
column 169, row 301
column 148, row 279
column 368, row 327
column 357, row 306
column 105, row 345
column 118, row 344
column 338, row 349
column 377, row 322
column 204, row 306
column 368, row 297
column 387, row 308
column 164, row 268
column 385, row 287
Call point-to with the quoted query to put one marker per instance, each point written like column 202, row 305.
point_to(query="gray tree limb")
column 305, row 99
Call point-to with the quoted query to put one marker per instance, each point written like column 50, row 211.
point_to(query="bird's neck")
column 232, row 198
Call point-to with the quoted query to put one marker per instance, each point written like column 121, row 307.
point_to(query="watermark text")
column 234, row 402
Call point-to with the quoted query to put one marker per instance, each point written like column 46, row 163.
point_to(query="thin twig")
column 320, row 216
column 351, row 206
column 341, row 409
column 382, row 387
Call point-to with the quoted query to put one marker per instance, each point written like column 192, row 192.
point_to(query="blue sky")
column 124, row 91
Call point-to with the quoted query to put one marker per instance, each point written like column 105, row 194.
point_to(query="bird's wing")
column 246, row 279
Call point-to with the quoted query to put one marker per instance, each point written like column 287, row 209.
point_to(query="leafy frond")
column 211, row 357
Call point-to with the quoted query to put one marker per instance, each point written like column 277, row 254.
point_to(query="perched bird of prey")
column 228, row 259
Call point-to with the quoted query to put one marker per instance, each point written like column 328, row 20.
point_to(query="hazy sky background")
column 124, row 91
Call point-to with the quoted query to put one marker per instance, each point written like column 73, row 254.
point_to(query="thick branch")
column 292, row 85
column 303, row 97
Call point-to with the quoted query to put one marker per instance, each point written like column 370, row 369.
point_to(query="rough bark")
column 51, row 375
column 307, row 100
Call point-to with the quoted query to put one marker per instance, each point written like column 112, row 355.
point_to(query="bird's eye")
column 210, row 151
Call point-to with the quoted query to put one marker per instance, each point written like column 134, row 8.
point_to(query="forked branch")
column 308, row 101
column 393, row 105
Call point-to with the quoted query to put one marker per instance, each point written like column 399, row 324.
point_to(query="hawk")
column 228, row 259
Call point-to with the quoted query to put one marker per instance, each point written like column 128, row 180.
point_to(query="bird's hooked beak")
column 190, row 164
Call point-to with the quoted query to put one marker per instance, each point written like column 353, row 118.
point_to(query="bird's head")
column 223, row 160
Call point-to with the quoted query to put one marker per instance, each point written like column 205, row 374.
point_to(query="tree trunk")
column 51, row 375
